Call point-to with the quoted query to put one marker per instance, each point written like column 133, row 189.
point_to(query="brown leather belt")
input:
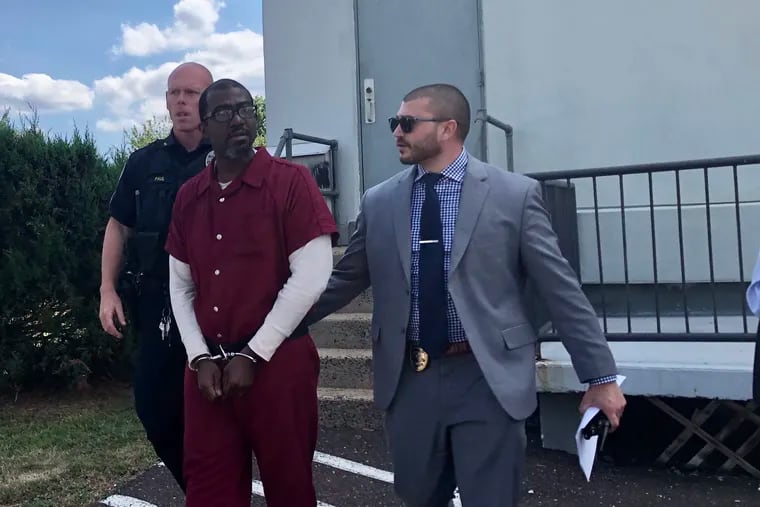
column 457, row 348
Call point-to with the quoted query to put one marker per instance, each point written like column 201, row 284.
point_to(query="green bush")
column 53, row 209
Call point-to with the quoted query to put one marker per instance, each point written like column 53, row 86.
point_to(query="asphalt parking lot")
column 352, row 469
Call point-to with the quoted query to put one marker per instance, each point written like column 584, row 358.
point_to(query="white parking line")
column 364, row 470
column 258, row 489
column 125, row 501
column 353, row 467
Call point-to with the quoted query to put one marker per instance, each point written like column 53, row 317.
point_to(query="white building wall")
column 310, row 83
column 596, row 83
column 584, row 84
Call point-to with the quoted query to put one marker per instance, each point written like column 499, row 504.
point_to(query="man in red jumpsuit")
column 250, row 247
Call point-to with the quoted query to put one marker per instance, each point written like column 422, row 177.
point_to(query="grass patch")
column 71, row 449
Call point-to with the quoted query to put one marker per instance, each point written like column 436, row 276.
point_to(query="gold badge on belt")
column 419, row 358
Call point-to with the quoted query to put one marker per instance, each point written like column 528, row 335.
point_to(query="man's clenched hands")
column 226, row 380
column 210, row 379
column 238, row 376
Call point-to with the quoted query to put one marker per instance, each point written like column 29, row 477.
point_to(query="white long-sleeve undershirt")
column 310, row 267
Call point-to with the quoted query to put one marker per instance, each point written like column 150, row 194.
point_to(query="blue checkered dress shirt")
column 449, row 189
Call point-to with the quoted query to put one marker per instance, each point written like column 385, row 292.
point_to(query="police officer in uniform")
column 140, row 212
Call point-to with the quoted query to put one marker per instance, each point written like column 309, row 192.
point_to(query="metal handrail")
column 286, row 143
column 591, row 176
column 486, row 118
column 681, row 165
column 287, row 137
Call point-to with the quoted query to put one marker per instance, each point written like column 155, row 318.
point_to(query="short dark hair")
column 222, row 84
column 447, row 101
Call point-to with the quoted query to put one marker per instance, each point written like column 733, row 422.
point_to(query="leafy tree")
column 53, row 205
column 152, row 129
column 261, row 117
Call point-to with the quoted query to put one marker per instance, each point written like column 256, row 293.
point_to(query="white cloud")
column 194, row 20
column 153, row 106
column 138, row 94
column 236, row 55
column 117, row 125
column 44, row 93
column 133, row 97
column 141, row 40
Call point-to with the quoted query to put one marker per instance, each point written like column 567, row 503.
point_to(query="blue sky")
column 102, row 65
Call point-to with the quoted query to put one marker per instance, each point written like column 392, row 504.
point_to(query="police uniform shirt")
column 145, row 193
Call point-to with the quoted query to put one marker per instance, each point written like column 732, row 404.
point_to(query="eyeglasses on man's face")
column 225, row 114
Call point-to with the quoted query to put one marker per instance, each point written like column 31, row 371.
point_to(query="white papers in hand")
column 587, row 448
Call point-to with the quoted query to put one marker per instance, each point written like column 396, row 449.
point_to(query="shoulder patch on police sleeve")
column 209, row 157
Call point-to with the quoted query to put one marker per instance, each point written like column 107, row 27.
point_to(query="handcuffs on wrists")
column 224, row 356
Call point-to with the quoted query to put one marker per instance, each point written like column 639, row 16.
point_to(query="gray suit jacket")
column 503, row 237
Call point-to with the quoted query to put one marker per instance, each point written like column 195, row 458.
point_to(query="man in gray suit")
column 447, row 247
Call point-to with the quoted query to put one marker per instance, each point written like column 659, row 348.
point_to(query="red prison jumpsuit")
column 237, row 242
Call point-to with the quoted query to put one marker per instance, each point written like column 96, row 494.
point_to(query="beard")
column 237, row 151
column 424, row 150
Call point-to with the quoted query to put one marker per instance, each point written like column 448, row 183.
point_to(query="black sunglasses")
column 407, row 122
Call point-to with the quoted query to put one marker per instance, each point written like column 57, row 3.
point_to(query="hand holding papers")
column 586, row 437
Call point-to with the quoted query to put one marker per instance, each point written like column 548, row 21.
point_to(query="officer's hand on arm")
column 110, row 310
column 238, row 374
column 209, row 379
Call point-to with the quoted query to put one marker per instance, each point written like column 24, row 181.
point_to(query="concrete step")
column 342, row 331
column 348, row 408
column 345, row 379
column 346, row 368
